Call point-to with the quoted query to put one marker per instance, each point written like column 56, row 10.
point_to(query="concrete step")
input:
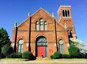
column 45, row 58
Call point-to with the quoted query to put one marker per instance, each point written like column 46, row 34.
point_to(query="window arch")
column 61, row 46
column 37, row 25
column 20, row 46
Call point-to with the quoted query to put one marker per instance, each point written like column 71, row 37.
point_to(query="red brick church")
column 42, row 34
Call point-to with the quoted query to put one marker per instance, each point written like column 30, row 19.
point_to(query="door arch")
column 61, row 46
column 20, row 46
column 41, row 46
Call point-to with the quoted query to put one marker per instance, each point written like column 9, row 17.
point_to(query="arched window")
column 20, row 46
column 41, row 24
column 37, row 25
column 45, row 25
column 41, row 40
column 69, row 33
column 61, row 46
column 68, row 13
column 63, row 12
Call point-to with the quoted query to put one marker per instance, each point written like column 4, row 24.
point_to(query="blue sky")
column 12, row 11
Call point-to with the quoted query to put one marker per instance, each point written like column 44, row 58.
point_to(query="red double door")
column 41, row 51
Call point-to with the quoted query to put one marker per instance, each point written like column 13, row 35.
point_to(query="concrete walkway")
column 57, row 61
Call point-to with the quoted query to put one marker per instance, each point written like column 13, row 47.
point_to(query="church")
column 42, row 34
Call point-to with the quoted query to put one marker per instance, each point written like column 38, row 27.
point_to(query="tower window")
column 63, row 12
column 68, row 13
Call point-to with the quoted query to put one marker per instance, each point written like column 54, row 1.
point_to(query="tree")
column 73, row 51
column 4, row 38
column 7, row 50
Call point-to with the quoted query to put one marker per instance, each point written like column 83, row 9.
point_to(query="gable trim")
column 22, row 22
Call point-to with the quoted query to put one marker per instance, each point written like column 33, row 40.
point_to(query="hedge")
column 28, row 55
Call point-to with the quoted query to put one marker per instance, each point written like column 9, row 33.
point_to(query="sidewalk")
column 57, row 61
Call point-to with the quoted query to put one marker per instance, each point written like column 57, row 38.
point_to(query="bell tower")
column 65, row 19
column 64, row 12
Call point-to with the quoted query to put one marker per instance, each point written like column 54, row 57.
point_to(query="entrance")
column 41, row 47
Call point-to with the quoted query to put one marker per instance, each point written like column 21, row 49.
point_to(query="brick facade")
column 56, row 30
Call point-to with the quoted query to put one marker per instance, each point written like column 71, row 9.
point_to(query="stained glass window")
column 42, row 40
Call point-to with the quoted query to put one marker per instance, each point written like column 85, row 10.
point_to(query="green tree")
column 4, row 38
column 73, row 51
column 7, row 50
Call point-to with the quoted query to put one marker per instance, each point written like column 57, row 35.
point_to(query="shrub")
column 73, row 51
column 56, row 55
column 7, row 49
column 28, row 55
column 85, row 55
column 2, row 55
column 51, row 56
column 65, row 56
column 81, row 55
column 15, row 55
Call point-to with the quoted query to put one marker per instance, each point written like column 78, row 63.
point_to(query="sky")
column 12, row 11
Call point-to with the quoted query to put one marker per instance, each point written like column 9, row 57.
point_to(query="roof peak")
column 41, row 8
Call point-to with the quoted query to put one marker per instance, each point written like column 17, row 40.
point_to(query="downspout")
column 16, row 28
column 29, row 47
column 56, row 35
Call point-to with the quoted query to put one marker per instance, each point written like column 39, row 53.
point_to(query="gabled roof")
column 48, row 14
column 45, row 12
column 34, row 14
